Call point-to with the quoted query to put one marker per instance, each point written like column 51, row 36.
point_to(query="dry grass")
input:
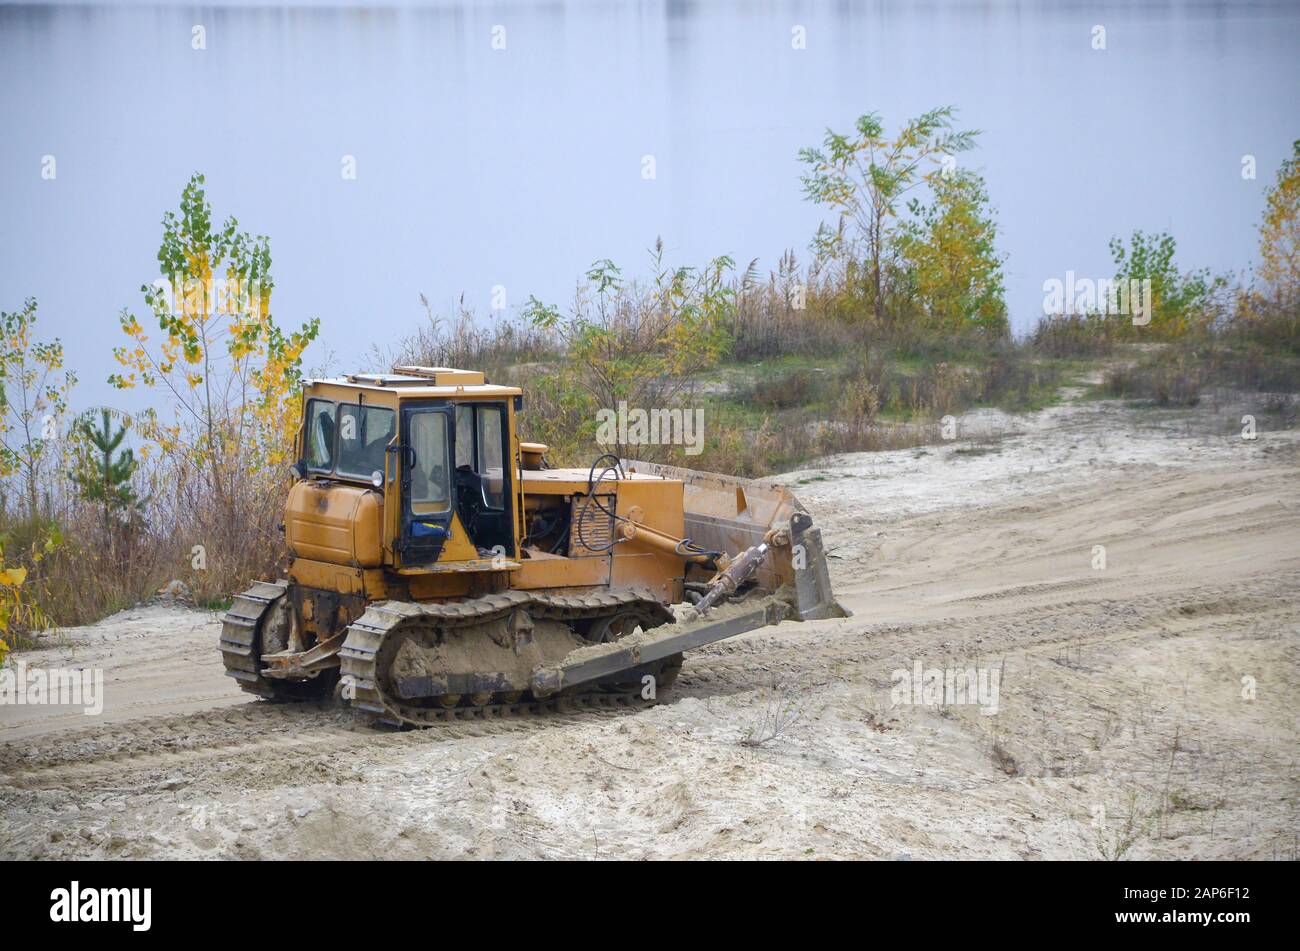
column 1075, row 335
column 104, row 563
column 498, row 346
column 782, row 706
column 1258, row 350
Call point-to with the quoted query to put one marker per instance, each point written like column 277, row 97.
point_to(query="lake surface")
column 518, row 167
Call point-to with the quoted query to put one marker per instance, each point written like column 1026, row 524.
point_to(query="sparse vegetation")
column 781, row 707
column 1136, row 824
column 897, row 320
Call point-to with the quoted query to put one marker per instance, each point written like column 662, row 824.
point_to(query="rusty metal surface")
column 730, row 514
column 813, row 593
column 673, row 641
column 299, row 665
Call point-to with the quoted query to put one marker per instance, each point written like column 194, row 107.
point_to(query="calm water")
column 478, row 167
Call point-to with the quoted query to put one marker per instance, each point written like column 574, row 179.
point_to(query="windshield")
column 430, row 463
column 364, row 433
column 319, row 449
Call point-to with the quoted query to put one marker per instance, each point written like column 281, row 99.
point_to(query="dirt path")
column 156, row 659
column 1123, row 724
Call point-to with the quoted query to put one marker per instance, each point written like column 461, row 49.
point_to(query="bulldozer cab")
column 437, row 445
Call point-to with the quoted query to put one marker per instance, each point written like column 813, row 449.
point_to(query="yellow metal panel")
column 447, row 567
column 332, row 577
column 652, row 571
column 557, row 572
column 458, row 547
column 375, row 583
column 342, row 391
column 730, row 514
column 439, row 587
column 346, row 391
column 341, row 524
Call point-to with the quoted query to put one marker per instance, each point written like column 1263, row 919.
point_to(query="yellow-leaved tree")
column 1279, row 234
column 230, row 373
column 950, row 257
column 34, row 388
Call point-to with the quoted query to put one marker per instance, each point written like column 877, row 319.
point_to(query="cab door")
column 484, row 470
column 428, row 497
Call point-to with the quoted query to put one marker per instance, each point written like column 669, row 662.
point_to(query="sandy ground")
column 1146, row 709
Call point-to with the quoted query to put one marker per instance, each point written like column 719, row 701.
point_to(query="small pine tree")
column 100, row 478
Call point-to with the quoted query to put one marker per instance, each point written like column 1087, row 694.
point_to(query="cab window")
column 479, row 452
column 430, row 463
column 364, row 434
column 318, row 448
column 465, row 435
column 488, row 439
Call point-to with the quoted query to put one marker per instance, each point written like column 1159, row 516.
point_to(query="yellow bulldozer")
column 440, row 568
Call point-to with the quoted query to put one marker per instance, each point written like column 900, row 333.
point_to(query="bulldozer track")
column 360, row 652
column 239, row 648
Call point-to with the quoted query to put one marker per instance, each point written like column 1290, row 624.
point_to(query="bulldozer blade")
column 729, row 514
column 657, row 644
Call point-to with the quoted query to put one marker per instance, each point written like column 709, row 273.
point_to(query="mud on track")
column 1121, row 723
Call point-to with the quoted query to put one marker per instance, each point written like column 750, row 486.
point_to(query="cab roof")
column 414, row 382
